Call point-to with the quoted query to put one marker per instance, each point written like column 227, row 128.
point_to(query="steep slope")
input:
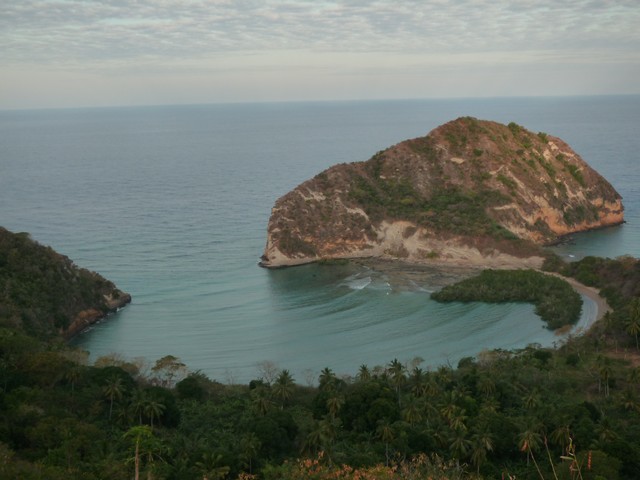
column 471, row 190
column 44, row 293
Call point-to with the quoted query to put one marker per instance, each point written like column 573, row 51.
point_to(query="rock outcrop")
column 44, row 293
column 470, row 191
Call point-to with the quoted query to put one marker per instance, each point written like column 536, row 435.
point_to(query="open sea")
column 171, row 203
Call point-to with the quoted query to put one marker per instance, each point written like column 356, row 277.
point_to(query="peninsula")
column 44, row 294
column 470, row 192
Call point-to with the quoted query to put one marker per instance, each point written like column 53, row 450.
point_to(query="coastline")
column 441, row 274
column 602, row 307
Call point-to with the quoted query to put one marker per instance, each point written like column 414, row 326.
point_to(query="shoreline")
column 602, row 307
column 445, row 273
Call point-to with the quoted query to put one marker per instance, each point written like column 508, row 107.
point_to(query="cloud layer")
column 120, row 41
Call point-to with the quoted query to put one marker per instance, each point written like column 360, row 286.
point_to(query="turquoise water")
column 172, row 203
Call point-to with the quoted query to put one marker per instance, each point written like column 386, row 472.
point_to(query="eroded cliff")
column 470, row 191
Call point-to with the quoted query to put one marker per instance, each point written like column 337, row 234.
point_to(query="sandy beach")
column 442, row 273
column 591, row 292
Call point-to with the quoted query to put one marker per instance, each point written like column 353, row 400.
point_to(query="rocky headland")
column 43, row 293
column 471, row 192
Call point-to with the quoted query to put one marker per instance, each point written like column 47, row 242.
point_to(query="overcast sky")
column 66, row 53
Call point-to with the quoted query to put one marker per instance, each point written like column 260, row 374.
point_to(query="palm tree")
column 327, row 379
column 417, row 381
column 605, row 371
column 153, row 409
column 532, row 400
column 72, row 375
column 260, row 400
column 385, row 433
column 459, row 445
column 250, row 449
column 141, row 435
column 606, row 431
column 634, row 375
column 334, row 404
column 138, row 402
column 364, row 374
column 630, row 400
column 315, row 440
column 113, row 390
column 530, row 440
column 482, row 444
column 561, row 436
column 413, row 412
column 491, row 405
column 486, row 386
column 457, row 419
column 396, row 372
column 210, row 467
column 283, row 387
column 632, row 325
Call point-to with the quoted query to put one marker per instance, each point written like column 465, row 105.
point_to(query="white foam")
column 356, row 283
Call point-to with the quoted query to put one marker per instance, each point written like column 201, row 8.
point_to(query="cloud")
column 75, row 31
column 331, row 38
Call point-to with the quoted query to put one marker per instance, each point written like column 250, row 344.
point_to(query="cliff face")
column 43, row 293
column 470, row 190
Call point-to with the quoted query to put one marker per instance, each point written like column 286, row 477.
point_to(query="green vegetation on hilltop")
column 557, row 303
column 41, row 291
column 449, row 210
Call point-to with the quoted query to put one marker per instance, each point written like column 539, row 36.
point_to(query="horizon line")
column 316, row 101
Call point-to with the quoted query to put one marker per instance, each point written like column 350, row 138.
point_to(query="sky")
column 77, row 53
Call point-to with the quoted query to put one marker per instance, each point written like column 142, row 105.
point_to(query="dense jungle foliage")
column 556, row 301
column 565, row 413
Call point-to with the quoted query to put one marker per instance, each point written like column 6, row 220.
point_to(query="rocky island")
column 470, row 192
column 44, row 294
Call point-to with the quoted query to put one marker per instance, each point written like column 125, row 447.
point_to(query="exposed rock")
column 470, row 191
column 85, row 318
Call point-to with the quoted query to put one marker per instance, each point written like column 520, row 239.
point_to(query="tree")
column 138, row 402
column 268, row 371
column 398, row 379
column 561, row 436
column 260, row 400
column 327, row 379
column 142, row 438
column 418, row 383
column 459, row 445
column 530, row 440
column 364, row 374
column 532, row 400
column 604, row 372
column 412, row 413
column 283, row 387
column 153, row 409
column 210, row 467
column 113, row 390
column 632, row 325
column 486, row 386
column 386, row 434
column 72, row 375
column 250, row 449
column 169, row 369
column 481, row 445
column 334, row 404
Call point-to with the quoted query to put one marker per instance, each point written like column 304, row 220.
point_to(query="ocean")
column 171, row 203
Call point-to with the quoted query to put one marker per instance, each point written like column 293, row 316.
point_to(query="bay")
column 171, row 203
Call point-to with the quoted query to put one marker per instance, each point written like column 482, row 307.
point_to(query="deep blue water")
column 172, row 203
